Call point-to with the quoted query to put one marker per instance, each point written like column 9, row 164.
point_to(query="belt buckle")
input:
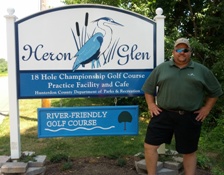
column 181, row 112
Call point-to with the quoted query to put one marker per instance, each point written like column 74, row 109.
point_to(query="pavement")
column 4, row 98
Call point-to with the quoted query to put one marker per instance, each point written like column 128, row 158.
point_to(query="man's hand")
column 205, row 110
column 154, row 109
column 202, row 114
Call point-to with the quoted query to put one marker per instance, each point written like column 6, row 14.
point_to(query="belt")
column 180, row 112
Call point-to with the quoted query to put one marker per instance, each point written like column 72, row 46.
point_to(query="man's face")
column 181, row 54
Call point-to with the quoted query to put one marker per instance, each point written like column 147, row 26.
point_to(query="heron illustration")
column 96, row 45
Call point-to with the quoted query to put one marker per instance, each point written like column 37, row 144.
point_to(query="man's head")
column 182, row 52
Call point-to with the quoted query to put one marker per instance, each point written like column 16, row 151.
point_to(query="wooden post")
column 46, row 103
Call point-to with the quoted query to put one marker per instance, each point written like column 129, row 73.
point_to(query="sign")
column 82, row 51
column 87, row 121
column 113, row 83
column 74, row 41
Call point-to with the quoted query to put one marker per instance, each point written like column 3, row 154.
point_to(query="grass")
column 3, row 74
column 72, row 146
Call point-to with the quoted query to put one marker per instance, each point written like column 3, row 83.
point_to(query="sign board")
column 88, row 121
column 82, row 51
column 79, row 51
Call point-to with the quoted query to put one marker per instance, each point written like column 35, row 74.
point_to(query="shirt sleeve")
column 150, row 84
column 213, row 87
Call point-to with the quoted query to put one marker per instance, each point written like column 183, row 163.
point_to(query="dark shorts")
column 185, row 129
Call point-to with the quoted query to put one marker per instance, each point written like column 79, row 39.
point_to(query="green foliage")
column 60, row 157
column 121, row 161
column 203, row 161
column 215, row 138
column 140, row 101
column 218, row 66
column 212, row 147
column 108, row 2
column 217, row 171
column 27, row 158
column 144, row 7
column 3, row 65
column 70, row 102
column 66, row 166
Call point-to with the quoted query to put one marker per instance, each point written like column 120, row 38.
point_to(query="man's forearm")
column 149, row 99
column 210, row 102
column 153, row 108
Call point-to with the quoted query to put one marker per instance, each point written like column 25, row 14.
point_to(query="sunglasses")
column 182, row 50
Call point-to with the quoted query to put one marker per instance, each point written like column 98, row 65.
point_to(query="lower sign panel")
column 87, row 121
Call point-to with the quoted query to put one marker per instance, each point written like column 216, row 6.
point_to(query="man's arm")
column 205, row 110
column 153, row 108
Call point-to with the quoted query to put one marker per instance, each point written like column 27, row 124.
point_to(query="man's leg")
column 190, row 163
column 151, row 158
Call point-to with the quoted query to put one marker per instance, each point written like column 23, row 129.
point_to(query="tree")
column 105, row 2
column 124, row 117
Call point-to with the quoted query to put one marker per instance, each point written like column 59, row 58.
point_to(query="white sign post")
column 159, row 18
column 15, row 145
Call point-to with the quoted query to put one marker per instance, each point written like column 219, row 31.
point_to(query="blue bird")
column 96, row 45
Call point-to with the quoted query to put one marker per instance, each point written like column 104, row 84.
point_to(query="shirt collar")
column 190, row 64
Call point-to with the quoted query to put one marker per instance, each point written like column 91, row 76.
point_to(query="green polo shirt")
column 182, row 88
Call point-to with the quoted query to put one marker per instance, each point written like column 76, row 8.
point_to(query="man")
column 181, row 107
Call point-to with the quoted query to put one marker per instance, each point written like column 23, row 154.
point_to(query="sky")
column 22, row 8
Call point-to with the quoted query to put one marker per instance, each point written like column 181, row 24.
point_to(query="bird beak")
column 116, row 23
